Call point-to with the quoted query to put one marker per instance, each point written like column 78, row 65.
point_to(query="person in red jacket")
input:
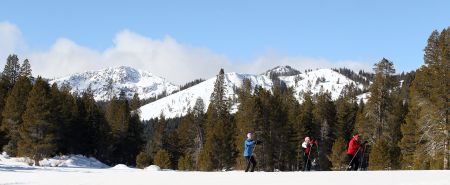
column 354, row 148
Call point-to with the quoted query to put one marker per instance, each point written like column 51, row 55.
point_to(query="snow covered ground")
column 80, row 170
column 111, row 176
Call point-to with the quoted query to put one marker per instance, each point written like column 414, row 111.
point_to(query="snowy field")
column 79, row 170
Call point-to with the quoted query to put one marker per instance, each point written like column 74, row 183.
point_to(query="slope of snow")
column 333, row 82
column 178, row 104
column 123, row 78
column 282, row 71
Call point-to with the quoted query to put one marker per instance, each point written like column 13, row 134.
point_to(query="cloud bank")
column 177, row 62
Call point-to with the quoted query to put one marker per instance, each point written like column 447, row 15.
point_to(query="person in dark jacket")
column 248, row 152
column 353, row 151
column 306, row 146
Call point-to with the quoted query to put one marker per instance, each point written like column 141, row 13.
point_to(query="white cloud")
column 11, row 40
column 179, row 63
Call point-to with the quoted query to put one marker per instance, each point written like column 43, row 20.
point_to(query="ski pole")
column 352, row 159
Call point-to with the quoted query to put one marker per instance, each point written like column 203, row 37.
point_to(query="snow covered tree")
column 38, row 133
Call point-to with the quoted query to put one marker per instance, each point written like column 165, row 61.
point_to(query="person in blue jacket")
column 248, row 152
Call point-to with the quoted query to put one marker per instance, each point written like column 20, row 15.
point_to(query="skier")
column 306, row 145
column 354, row 147
column 248, row 152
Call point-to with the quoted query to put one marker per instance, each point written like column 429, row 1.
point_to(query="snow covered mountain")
column 178, row 103
column 111, row 81
column 282, row 71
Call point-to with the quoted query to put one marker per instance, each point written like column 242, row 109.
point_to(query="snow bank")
column 152, row 168
column 121, row 167
column 72, row 161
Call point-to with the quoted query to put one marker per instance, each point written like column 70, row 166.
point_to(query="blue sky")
column 242, row 31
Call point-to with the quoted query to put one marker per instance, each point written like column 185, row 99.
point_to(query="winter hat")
column 249, row 135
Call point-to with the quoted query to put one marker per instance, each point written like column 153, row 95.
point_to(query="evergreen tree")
column 379, row 158
column 338, row 155
column 429, row 99
column 346, row 110
column 98, row 138
column 71, row 132
column 25, row 69
column 185, row 163
column 143, row 160
column 244, row 120
column 379, row 104
column 38, row 132
column 162, row 159
column 220, row 129
column 4, row 88
column 305, row 117
column 12, row 69
column 325, row 119
column 12, row 114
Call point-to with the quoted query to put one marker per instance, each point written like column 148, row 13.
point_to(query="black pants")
column 353, row 164
column 250, row 161
column 306, row 163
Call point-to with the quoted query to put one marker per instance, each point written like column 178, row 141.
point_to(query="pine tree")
column 325, row 119
column 408, row 141
column 4, row 88
column 305, row 118
column 98, row 138
column 244, row 120
column 38, row 132
column 12, row 69
column 429, row 104
column 25, row 69
column 346, row 110
column 185, row 163
column 143, row 160
column 220, row 128
column 338, row 154
column 379, row 158
column 12, row 114
column 162, row 159
column 379, row 104
column 71, row 132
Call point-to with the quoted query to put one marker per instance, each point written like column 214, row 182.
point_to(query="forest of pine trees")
column 405, row 121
